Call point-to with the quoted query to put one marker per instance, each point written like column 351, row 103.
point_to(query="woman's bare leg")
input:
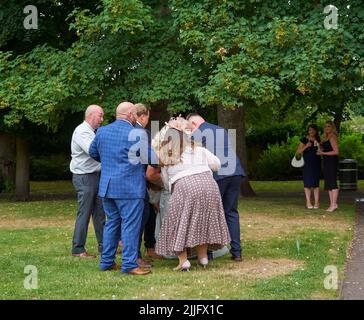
column 330, row 196
column 184, row 264
column 308, row 197
column 335, row 195
column 201, row 251
column 316, row 193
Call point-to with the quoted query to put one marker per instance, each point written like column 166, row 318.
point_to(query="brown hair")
column 315, row 127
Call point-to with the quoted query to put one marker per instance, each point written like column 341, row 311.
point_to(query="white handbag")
column 297, row 163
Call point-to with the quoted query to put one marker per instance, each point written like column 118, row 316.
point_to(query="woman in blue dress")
column 309, row 147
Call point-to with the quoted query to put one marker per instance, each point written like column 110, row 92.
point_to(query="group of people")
column 180, row 188
column 313, row 149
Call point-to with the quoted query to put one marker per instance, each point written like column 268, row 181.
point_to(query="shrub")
column 351, row 147
column 54, row 167
column 275, row 162
column 6, row 185
column 277, row 133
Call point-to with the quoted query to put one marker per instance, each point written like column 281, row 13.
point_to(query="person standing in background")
column 330, row 153
column 309, row 146
column 85, row 178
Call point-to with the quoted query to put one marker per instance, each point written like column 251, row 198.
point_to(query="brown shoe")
column 114, row 267
column 139, row 271
column 151, row 254
column 83, row 255
column 142, row 263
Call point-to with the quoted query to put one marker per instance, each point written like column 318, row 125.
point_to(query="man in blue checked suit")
column 122, row 186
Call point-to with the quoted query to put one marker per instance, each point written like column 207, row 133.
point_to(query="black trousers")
column 145, row 218
column 149, row 230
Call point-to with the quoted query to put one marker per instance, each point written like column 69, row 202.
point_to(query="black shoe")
column 237, row 258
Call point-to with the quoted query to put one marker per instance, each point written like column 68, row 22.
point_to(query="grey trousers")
column 163, row 211
column 89, row 205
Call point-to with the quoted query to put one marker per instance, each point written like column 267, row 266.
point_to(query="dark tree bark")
column 235, row 119
column 22, row 170
column 338, row 119
column 7, row 156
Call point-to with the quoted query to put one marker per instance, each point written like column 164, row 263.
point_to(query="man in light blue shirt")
column 86, row 176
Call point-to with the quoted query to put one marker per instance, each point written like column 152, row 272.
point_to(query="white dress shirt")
column 81, row 162
column 193, row 161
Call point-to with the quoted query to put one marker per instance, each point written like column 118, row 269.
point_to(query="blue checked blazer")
column 122, row 175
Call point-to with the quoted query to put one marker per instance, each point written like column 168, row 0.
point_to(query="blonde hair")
column 173, row 145
column 141, row 109
column 332, row 124
column 178, row 123
column 158, row 138
column 181, row 124
column 172, row 140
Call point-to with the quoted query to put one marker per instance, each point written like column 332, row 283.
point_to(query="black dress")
column 330, row 167
column 312, row 167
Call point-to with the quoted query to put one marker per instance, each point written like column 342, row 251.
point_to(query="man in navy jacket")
column 228, row 178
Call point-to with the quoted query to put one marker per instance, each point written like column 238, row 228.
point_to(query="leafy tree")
column 236, row 57
column 259, row 53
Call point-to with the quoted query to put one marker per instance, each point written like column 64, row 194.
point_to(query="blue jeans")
column 124, row 216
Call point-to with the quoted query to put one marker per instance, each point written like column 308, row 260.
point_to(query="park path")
column 352, row 287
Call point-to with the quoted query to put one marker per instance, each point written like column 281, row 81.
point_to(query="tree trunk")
column 235, row 119
column 7, row 157
column 22, row 170
column 338, row 119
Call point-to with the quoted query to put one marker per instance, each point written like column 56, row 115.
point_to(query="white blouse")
column 193, row 161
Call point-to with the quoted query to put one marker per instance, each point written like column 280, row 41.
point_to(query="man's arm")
column 93, row 150
column 83, row 139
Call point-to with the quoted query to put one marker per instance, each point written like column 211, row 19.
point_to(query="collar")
column 202, row 125
column 89, row 126
column 126, row 121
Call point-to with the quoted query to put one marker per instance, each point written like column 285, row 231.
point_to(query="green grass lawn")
column 286, row 249
column 288, row 186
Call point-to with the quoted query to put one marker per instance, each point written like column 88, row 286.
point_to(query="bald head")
column 195, row 120
column 94, row 116
column 126, row 110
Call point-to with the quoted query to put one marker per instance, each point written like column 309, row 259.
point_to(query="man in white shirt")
column 86, row 176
